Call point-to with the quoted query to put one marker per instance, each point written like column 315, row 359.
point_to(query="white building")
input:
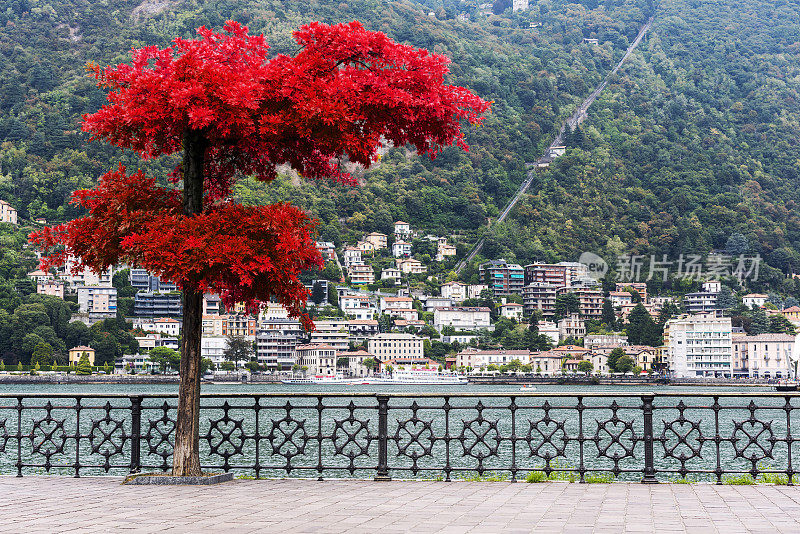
column 396, row 303
column 444, row 251
column 319, row 359
column 431, row 303
column 390, row 346
column 352, row 256
column 572, row 326
column 478, row 359
column 401, row 249
column 213, row 348
column 7, row 213
column 763, row 355
column 699, row 345
column 456, row 291
column 355, row 362
column 335, row 337
column 275, row 349
column 361, row 274
column 357, row 306
column 164, row 325
column 519, row 5
column 594, row 341
column 549, row 329
column 466, row 318
column 391, row 273
column 474, row 290
column 546, row 362
column 411, row 266
column 402, row 230
column 512, row 310
column 377, row 239
column 97, row 302
column 754, row 299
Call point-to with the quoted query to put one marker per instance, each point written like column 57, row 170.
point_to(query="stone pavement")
column 39, row 504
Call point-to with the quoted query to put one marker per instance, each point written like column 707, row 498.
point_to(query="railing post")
column 649, row 467
column 136, row 434
column 383, row 439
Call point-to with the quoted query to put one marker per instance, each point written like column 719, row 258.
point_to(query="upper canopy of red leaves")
column 345, row 91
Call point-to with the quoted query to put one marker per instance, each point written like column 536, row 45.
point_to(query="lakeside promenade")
column 47, row 504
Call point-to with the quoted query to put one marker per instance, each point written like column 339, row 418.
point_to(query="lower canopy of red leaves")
column 246, row 254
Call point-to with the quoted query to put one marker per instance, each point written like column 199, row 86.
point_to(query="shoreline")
column 70, row 379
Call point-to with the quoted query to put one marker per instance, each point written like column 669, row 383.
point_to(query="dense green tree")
column 83, row 367
column 641, row 329
column 608, row 316
column 42, row 354
column 760, row 323
column 238, row 350
column 614, row 356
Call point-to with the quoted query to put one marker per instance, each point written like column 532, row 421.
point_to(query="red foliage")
column 345, row 93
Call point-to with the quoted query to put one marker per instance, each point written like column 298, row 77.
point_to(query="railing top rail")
column 407, row 395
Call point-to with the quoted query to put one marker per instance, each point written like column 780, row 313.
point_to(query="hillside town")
column 543, row 319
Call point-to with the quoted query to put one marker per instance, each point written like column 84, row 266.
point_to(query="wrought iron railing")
column 647, row 437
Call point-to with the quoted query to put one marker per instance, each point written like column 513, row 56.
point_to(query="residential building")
column 539, row 296
column 763, row 355
column 590, row 301
column 431, row 303
column 444, row 251
column 290, row 327
column 361, row 274
column 53, row 288
column 594, row 341
column 352, row 256
column 480, row 359
column 361, row 329
column 355, row 362
column 391, row 345
column 213, row 348
column 402, row 230
column 700, row 302
column 550, row 330
column 39, row 276
column 239, row 325
column 357, row 307
column 546, row 362
column 365, row 247
column 153, row 304
column 163, row 325
column 571, row 351
column 411, row 266
column 275, row 349
column 76, row 353
column 143, row 280
column 502, row 278
column 212, row 325
column 97, row 302
column 133, row 362
column 377, row 239
column 391, row 273
column 511, row 310
column 639, row 287
column 320, row 359
column 395, row 302
column 75, row 277
column 401, row 249
column 620, row 298
column 599, row 361
column 474, row 290
column 792, row 314
column 212, row 304
column 7, row 213
column 465, row 318
column 335, row 337
column 565, row 273
column 154, row 339
column 699, row 345
column 591, row 41
column 519, row 5
column 455, row 291
column 644, row 356
column 571, row 327
column 754, row 299
column 659, row 302
column 327, row 250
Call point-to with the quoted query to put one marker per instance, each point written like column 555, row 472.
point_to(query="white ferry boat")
column 415, row 377
column 320, row 379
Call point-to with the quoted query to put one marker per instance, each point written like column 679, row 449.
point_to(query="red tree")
column 234, row 111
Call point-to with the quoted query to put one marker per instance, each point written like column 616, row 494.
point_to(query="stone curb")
column 169, row 480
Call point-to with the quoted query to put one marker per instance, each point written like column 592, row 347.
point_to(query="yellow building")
column 76, row 353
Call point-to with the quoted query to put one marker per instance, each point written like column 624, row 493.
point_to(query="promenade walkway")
column 39, row 504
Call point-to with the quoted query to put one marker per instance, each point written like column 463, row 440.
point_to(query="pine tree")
column 83, row 367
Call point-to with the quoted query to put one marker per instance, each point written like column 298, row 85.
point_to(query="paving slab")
column 103, row 504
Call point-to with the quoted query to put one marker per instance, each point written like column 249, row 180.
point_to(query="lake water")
column 311, row 430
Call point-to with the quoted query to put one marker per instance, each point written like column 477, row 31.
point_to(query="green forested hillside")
column 695, row 138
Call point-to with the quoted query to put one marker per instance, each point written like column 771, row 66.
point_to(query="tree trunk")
column 186, row 456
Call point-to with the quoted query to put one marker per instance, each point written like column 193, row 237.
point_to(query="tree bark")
column 186, row 456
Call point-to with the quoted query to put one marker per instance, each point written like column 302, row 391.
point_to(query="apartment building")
column 352, row 256
column 571, row 327
column 461, row 317
column 478, row 359
column 763, row 355
column 455, row 291
column 141, row 279
column 153, row 304
column 539, row 296
column 699, row 345
column 377, row 239
column 390, row 345
column 361, row 274
column 411, row 266
column 7, row 213
column 401, row 249
column 320, row 359
column 502, row 278
column 54, row 288
column 97, row 302
column 275, row 349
